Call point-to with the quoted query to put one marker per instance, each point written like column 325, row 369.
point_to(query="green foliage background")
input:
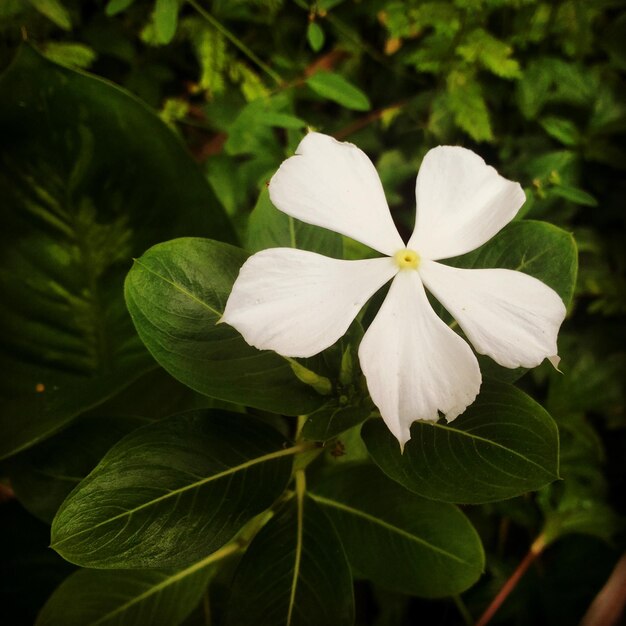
column 537, row 88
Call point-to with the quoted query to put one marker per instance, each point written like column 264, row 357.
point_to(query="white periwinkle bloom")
column 298, row 303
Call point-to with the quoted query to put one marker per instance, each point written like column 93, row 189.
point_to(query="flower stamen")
column 407, row 259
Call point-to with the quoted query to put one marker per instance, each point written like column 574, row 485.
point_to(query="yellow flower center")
column 407, row 259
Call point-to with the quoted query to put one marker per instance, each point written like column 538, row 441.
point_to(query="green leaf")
column 114, row 7
column 84, row 187
column 127, row 598
column 490, row 52
column 465, row 100
column 70, row 54
column 172, row 491
column 561, row 129
column 430, row 549
column 165, row 20
column 315, row 36
column 294, row 573
column 43, row 476
column 270, row 228
column 338, row 89
column 505, row 444
column 535, row 248
column 332, row 420
column 176, row 293
column 573, row 194
column 54, row 11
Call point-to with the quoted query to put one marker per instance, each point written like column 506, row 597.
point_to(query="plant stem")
column 236, row 42
column 535, row 550
column 463, row 610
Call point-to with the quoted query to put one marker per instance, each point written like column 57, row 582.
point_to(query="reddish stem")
column 535, row 550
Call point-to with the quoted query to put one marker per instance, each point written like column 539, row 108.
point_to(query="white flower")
column 298, row 303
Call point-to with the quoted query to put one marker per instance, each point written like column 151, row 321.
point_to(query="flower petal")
column 334, row 185
column 461, row 203
column 298, row 303
column 415, row 365
column 507, row 315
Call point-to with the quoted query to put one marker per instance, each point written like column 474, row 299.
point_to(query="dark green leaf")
column 332, row 420
column 126, row 598
column 338, row 89
column 397, row 539
column 176, row 294
column 270, row 228
column 54, row 11
column 172, row 491
column 43, row 476
column 88, row 178
column 573, row 194
column 294, row 573
column 535, row 248
column 561, row 129
column 114, row 7
column 505, row 444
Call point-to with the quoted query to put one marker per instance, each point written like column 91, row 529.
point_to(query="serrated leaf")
column 270, row 228
column 127, row 597
column 505, row 444
column 338, row 89
column 492, row 53
column 294, row 573
column 176, row 293
column 85, row 187
column 171, row 491
column 467, row 103
column 397, row 539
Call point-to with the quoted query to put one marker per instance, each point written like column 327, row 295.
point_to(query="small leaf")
column 505, row 444
column 114, row 7
column 270, row 228
column 397, row 539
column 165, row 20
column 561, row 129
column 573, row 194
column 176, row 293
column 467, row 103
column 294, row 573
column 315, row 36
column 332, row 420
column 126, row 597
column 338, row 89
column 172, row 490
column 54, row 11
column 70, row 54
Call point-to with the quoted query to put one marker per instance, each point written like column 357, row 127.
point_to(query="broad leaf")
column 176, row 294
column 270, row 228
column 126, row 597
column 505, row 444
column 294, row 573
column 173, row 491
column 397, row 539
column 88, row 179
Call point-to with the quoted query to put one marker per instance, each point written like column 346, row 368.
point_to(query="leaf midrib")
column 176, row 492
column 386, row 525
